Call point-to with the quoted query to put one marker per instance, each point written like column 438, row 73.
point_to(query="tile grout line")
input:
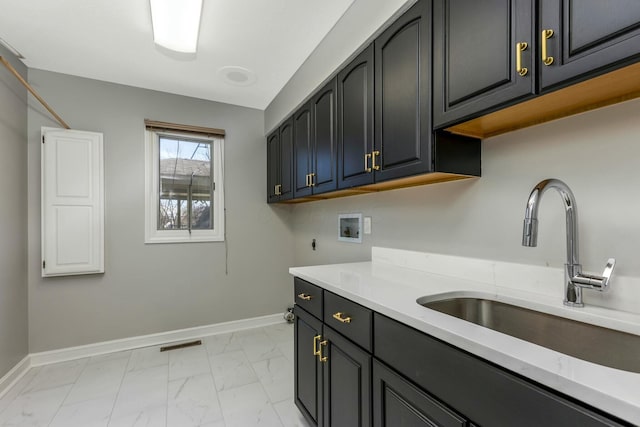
column 68, row 393
column 119, row 388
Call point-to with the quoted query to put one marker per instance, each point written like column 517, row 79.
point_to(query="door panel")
column 402, row 80
column 302, row 150
column 286, row 160
column 475, row 56
column 308, row 371
column 355, row 120
column 590, row 37
column 273, row 166
column 324, row 139
column 347, row 383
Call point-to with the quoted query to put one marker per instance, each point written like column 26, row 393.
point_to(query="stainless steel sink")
column 588, row 342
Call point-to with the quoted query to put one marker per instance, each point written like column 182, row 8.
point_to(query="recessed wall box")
column 350, row 228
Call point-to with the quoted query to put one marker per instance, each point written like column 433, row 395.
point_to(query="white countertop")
column 394, row 279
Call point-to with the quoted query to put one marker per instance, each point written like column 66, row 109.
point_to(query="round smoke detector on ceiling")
column 237, row 76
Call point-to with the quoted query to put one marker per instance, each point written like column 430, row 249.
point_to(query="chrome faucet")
column 574, row 279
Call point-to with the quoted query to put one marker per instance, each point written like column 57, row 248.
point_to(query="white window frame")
column 152, row 183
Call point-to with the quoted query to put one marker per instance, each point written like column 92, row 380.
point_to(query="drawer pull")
column 339, row 318
column 316, row 348
column 322, row 358
column 305, row 297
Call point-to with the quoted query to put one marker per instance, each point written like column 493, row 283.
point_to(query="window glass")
column 186, row 186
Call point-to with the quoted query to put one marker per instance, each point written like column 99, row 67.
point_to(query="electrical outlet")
column 367, row 225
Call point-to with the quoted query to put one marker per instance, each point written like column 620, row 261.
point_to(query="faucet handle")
column 599, row 283
column 608, row 269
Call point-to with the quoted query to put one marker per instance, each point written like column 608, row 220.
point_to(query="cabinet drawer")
column 308, row 296
column 355, row 322
column 484, row 393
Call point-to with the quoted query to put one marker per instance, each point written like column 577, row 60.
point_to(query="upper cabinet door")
column 323, row 174
column 483, row 56
column 72, row 202
column 403, row 101
column 588, row 36
column 302, row 151
column 355, row 121
column 273, row 166
column 286, row 160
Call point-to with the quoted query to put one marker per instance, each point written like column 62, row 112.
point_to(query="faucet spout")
column 574, row 279
column 530, row 228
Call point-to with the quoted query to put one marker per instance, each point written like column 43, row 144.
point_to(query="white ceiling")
column 112, row 40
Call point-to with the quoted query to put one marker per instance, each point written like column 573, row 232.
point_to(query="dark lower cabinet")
column 307, row 368
column 580, row 39
column 347, row 382
column 485, row 394
column 410, row 378
column 397, row 402
column 332, row 375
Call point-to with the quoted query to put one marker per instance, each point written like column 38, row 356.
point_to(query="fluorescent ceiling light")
column 176, row 24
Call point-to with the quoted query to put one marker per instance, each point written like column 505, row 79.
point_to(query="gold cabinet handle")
column 546, row 34
column 521, row 47
column 322, row 358
column 316, row 347
column 306, row 183
column 278, row 189
column 305, row 297
column 311, row 183
column 366, row 162
column 339, row 318
column 373, row 161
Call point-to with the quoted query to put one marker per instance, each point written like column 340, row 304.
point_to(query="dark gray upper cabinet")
column 302, row 150
column 402, row 91
column 323, row 106
column 279, row 163
column 589, row 37
column 315, row 143
column 355, row 121
column 476, row 45
column 273, row 166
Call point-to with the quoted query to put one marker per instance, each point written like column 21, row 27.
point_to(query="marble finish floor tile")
column 193, row 401
column 248, row 406
column 36, row 408
column 243, row 379
column 232, row 370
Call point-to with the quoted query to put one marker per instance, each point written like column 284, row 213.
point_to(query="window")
column 184, row 173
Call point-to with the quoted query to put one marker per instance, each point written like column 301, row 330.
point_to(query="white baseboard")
column 14, row 375
column 71, row 353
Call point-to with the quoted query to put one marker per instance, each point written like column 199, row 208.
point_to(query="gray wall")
column 155, row 288
column 359, row 24
column 596, row 153
column 13, row 208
